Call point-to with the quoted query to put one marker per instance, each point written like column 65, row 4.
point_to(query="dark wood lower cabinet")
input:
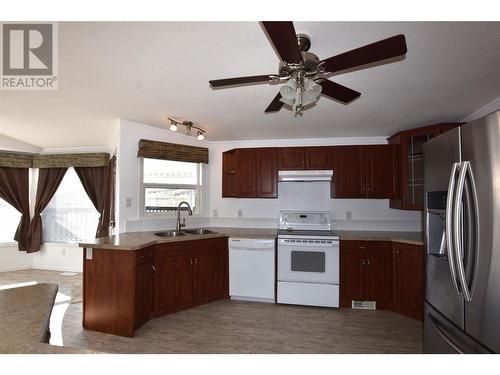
column 366, row 272
column 125, row 288
column 392, row 274
column 173, row 284
column 409, row 270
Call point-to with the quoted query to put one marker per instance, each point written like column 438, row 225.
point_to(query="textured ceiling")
column 147, row 71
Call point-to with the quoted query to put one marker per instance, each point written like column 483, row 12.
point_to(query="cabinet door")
column 209, row 276
column 291, row 158
column 143, row 292
column 382, row 171
column 267, row 174
column 229, row 174
column 409, row 280
column 173, row 284
column 349, row 172
column 378, row 261
column 352, row 273
column 317, row 158
column 246, row 174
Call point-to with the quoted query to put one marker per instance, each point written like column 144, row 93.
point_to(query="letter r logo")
column 27, row 49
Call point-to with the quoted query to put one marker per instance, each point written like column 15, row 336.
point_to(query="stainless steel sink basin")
column 198, row 231
column 170, row 233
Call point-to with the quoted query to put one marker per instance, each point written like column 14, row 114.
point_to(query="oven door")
column 308, row 260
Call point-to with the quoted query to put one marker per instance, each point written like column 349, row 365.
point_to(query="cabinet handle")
column 363, row 261
column 153, row 267
column 362, row 247
column 191, row 260
column 368, row 261
column 196, row 260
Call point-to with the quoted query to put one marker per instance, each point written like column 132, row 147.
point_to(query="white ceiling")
column 147, row 71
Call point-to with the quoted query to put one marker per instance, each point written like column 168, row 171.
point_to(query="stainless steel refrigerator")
column 462, row 227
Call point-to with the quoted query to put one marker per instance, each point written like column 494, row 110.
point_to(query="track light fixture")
column 189, row 126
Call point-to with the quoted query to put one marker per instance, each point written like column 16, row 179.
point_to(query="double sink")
column 185, row 232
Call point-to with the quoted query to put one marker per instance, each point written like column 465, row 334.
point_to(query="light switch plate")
column 88, row 254
column 128, row 202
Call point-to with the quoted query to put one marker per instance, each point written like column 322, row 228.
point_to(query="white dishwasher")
column 252, row 269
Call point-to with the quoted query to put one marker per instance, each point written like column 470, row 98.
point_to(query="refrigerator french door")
column 462, row 213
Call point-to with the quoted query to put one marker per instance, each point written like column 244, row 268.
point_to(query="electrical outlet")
column 240, row 213
column 348, row 215
column 215, row 213
column 128, row 202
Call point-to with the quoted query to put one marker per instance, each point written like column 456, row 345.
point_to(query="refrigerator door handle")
column 443, row 335
column 449, row 227
column 457, row 232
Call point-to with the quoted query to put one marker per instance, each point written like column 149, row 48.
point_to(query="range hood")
column 305, row 176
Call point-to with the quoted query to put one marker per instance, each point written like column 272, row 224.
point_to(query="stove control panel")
column 305, row 220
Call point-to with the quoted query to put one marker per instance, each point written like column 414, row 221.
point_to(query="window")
column 70, row 215
column 166, row 183
column 9, row 220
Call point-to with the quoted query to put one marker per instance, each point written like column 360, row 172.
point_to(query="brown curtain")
column 95, row 181
column 112, row 183
column 49, row 180
column 14, row 189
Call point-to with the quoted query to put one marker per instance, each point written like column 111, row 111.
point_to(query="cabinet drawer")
column 144, row 255
column 189, row 247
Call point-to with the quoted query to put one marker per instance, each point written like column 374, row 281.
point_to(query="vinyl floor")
column 241, row 327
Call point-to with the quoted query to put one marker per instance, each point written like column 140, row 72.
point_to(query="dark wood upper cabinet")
column 266, row 173
column 291, row 158
column 382, row 177
column 255, row 173
column 411, row 164
column 409, row 273
column 349, row 172
column 246, row 173
column 318, row 158
column 229, row 174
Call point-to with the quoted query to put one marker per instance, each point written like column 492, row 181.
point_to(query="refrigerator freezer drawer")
column 443, row 337
column 325, row 295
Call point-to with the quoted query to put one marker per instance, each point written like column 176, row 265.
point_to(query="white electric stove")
column 308, row 259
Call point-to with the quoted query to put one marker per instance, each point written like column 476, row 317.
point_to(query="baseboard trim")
column 7, row 269
column 55, row 268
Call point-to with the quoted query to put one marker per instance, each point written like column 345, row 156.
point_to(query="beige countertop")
column 25, row 316
column 412, row 238
column 139, row 240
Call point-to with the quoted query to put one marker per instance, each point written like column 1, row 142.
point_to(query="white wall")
column 365, row 214
column 12, row 259
column 59, row 257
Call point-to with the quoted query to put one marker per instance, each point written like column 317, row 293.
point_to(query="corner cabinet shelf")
column 412, row 163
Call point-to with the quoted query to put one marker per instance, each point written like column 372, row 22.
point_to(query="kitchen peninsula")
column 132, row 277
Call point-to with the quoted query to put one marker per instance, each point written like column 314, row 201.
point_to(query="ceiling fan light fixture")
column 288, row 91
column 201, row 137
column 173, row 127
column 312, row 90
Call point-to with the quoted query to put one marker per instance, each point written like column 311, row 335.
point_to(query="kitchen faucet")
column 190, row 211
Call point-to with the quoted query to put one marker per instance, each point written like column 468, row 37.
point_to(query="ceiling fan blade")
column 275, row 104
column 240, row 80
column 335, row 91
column 381, row 50
column 284, row 39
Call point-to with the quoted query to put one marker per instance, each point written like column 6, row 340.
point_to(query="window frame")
column 143, row 186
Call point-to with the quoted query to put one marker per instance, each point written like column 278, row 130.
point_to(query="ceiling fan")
column 306, row 76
